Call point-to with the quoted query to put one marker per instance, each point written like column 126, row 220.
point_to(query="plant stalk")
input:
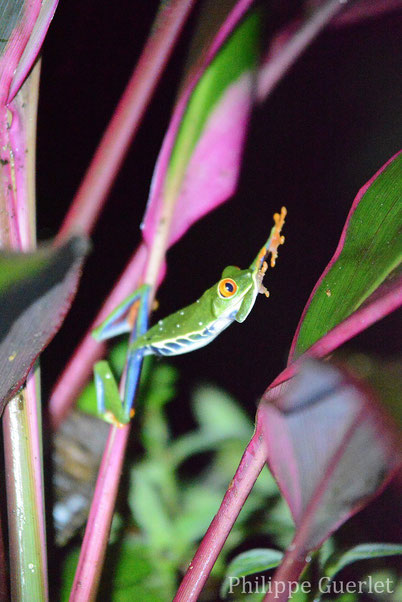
column 93, row 549
column 24, row 479
column 22, row 427
column 287, row 576
column 283, row 53
column 246, row 474
column 4, row 594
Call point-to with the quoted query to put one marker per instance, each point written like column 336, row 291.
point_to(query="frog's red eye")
column 227, row 287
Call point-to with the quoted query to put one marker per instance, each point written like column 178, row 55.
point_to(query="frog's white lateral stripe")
column 195, row 340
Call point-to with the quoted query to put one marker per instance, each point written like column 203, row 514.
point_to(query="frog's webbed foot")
column 275, row 240
column 260, row 276
column 110, row 406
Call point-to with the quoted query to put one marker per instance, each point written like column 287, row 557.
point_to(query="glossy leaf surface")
column 248, row 563
column 365, row 551
column 369, row 250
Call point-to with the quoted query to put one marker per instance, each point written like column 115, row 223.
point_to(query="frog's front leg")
column 110, row 406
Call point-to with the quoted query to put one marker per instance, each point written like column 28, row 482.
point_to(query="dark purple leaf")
column 330, row 448
column 36, row 291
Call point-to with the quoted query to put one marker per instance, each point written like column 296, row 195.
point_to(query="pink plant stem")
column 79, row 368
column 284, row 53
column 113, row 146
column 367, row 9
column 287, row 576
column 93, row 549
column 249, row 468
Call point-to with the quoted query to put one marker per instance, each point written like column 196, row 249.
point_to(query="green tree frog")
column 190, row 328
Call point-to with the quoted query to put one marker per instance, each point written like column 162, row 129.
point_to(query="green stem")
column 21, row 433
column 22, row 427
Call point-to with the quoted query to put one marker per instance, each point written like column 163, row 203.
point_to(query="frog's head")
column 237, row 290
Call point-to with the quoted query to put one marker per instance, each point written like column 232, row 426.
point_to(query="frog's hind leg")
column 110, row 406
column 135, row 355
column 120, row 321
column 134, row 364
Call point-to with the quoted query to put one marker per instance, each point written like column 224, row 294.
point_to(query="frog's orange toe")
column 277, row 239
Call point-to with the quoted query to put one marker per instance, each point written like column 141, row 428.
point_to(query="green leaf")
column 280, row 524
column 325, row 552
column 338, row 561
column 370, row 249
column 133, row 563
column 199, row 162
column 248, row 563
column 87, row 400
column 132, row 572
column 236, row 57
column 220, row 418
column 158, row 390
column 199, row 505
column 117, row 357
column 160, row 387
column 148, row 506
column 67, row 574
column 218, row 413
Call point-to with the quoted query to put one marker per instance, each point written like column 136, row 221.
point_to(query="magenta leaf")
column 36, row 291
column 32, row 49
column 366, row 9
column 369, row 251
column 330, row 448
column 16, row 24
column 199, row 162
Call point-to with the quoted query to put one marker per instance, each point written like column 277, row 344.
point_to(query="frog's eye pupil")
column 227, row 287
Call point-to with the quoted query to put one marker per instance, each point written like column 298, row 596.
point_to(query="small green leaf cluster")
column 170, row 504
